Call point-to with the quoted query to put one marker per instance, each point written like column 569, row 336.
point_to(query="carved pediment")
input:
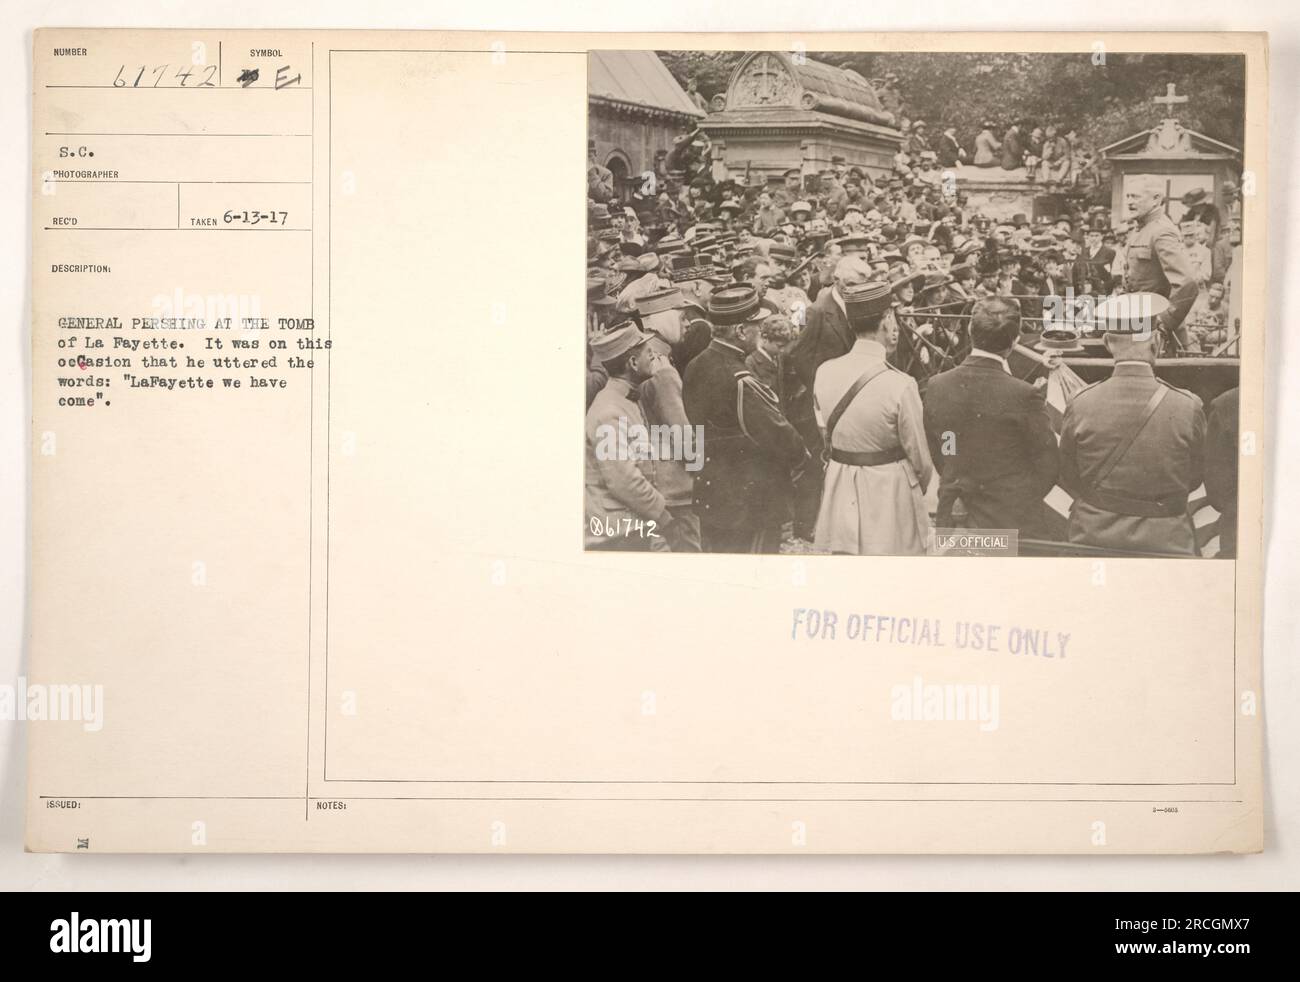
column 765, row 81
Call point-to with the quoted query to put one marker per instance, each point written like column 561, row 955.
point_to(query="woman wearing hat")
column 906, row 354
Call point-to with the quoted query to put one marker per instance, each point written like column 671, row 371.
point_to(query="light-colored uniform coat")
column 878, row 510
column 1165, row 463
column 617, row 488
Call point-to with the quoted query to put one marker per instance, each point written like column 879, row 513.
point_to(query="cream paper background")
column 495, row 665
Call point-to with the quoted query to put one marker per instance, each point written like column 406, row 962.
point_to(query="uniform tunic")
column 617, row 486
column 1156, row 262
column 875, row 510
column 1164, row 464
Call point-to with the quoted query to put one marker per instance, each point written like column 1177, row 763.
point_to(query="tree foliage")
column 1104, row 102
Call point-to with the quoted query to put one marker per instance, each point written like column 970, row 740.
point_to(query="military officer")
column 1154, row 257
column 751, row 452
column 873, row 498
column 1132, row 446
column 624, row 506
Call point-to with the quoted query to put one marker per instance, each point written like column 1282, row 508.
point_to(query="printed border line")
column 796, row 801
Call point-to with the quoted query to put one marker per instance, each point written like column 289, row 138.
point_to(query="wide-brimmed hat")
column 911, row 279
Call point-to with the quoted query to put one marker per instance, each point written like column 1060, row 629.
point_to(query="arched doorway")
column 618, row 166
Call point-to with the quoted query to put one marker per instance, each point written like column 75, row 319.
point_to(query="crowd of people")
column 747, row 310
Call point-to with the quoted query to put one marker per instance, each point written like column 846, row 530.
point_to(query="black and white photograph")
column 914, row 303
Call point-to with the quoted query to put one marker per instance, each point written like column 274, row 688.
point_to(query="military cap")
column 914, row 240
column 792, row 172
column 733, row 304
column 867, row 300
column 765, row 309
column 658, row 301
column 670, row 243
column 1130, row 313
column 800, row 206
column 617, row 341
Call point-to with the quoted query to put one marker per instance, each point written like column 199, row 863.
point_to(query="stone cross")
column 766, row 72
column 1170, row 99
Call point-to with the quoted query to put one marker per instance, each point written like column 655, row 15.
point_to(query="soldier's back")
column 1138, row 500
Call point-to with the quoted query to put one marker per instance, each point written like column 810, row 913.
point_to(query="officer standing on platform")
column 1133, row 446
column 751, row 452
column 1155, row 260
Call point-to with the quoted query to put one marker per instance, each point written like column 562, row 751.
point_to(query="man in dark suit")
column 989, row 433
column 825, row 335
column 1092, row 268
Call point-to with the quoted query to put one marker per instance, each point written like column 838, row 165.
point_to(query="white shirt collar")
column 870, row 348
column 988, row 354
